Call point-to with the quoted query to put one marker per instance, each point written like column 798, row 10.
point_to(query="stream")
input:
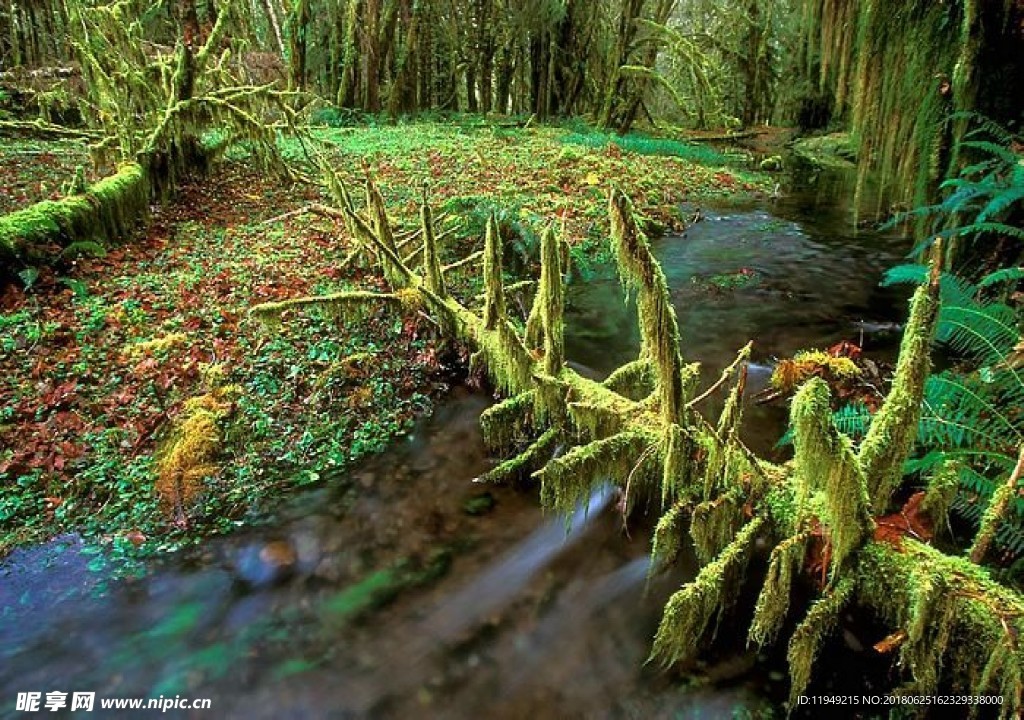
column 528, row 615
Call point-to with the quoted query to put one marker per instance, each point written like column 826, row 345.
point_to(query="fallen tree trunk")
column 641, row 429
column 105, row 212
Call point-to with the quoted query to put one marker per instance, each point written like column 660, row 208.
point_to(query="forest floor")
column 33, row 170
column 101, row 356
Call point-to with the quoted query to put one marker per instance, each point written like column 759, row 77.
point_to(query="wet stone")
column 479, row 504
column 267, row 564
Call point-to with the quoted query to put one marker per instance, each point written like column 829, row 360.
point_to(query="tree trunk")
column 349, row 85
column 298, row 30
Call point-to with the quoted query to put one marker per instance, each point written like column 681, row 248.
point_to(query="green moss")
column 959, row 623
column 344, row 306
column 668, row 536
column 715, row 523
column 535, row 455
column 106, row 212
column 431, row 263
column 494, row 284
column 940, row 493
column 786, row 560
column 791, row 373
column 570, row 479
column 892, row 433
column 825, row 462
column 635, row 379
column 508, row 422
column 691, row 610
column 998, row 508
column 503, row 357
column 659, row 329
column 809, row 635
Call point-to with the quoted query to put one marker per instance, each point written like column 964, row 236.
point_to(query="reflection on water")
column 534, row 618
column 812, row 284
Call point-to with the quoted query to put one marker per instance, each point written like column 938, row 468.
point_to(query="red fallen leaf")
column 819, row 555
column 845, row 349
column 910, row 520
column 135, row 537
column 890, row 642
column 53, row 502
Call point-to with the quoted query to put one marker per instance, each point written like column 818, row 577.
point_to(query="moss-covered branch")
column 894, row 428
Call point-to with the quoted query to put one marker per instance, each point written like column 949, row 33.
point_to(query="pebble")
column 267, row 564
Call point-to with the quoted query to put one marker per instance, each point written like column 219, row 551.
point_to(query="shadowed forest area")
column 506, row 359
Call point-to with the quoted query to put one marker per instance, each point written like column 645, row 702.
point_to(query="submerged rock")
column 478, row 504
column 263, row 565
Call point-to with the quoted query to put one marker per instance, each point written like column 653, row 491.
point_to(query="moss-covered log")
column 639, row 430
column 106, row 212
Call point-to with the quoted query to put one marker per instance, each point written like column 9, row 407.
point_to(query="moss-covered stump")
column 106, row 212
column 643, row 430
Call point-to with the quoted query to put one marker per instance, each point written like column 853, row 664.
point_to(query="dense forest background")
column 889, row 71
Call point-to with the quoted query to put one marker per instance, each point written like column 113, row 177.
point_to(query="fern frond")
column 1001, row 202
column 852, row 420
column 999, row 150
column 984, row 125
column 983, row 228
column 1010, row 274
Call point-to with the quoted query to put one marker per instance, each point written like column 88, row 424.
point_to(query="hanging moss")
column 929, row 627
column 825, row 461
column 714, row 524
column 570, row 479
column 675, row 463
column 508, row 422
column 635, row 379
column 1003, row 676
column 896, row 70
column 786, row 560
column 809, row 635
column 535, row 455
column 892, row 433
column 595, row 421
column 668, row 536
column 504, row 358
column 721, row 470
column 917, row 589
column 637, row 443
column 691, row 610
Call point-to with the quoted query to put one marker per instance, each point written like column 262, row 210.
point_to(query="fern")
column 1010, row 274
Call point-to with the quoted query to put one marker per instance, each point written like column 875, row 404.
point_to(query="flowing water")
column 509, row 612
